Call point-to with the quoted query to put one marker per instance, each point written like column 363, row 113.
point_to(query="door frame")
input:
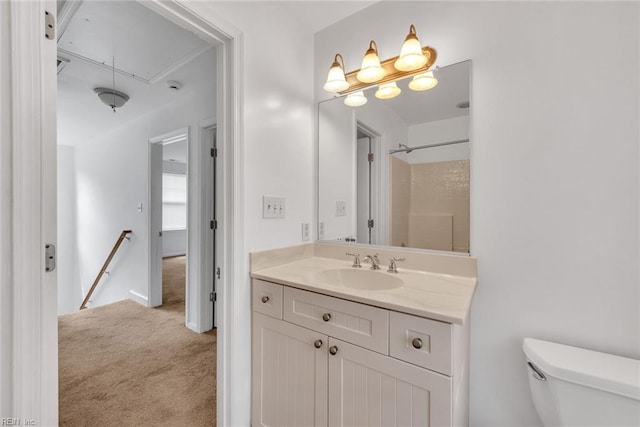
column 28, row 355
column 376, row 172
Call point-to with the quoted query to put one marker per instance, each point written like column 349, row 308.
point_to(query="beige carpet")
column 123, row 364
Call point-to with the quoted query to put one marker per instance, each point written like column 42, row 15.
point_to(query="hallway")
column 124, row 364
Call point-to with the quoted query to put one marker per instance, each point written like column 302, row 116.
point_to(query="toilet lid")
column 615, row 374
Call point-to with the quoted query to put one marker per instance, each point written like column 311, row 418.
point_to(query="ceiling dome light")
column 411, row 56
column 355, row 99
column 371, row 70
column 388, row 91
column 111, row 97
column 424, row 81
column 336, row 80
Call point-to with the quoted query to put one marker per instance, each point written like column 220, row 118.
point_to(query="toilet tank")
column 571, row 386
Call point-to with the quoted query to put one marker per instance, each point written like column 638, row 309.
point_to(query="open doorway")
column 116, row 90
column 367, row 175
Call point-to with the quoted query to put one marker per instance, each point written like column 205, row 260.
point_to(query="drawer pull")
column 326, row 317
column 417, row 343
column 265, row 299
column 318, row 343
column 333, row 350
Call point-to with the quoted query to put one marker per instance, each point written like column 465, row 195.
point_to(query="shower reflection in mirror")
column 396, row 172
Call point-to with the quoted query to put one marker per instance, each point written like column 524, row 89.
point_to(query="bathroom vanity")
column 339, row 345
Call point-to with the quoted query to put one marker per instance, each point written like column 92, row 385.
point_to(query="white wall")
column 337, row 159
column 554, row 182
column 174, row 243
column 112, row 178
column 439, row 131
column 69, row 285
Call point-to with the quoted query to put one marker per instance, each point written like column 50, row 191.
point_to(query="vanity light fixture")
column 371, row 70
column 336, row 80
column 424, row 81
column 388, row 91
column 412, row 61
column 411, row 55
column 355, row 99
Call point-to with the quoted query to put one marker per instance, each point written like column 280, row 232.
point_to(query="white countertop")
column 437, row 296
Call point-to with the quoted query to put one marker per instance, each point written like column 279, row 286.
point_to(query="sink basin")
column 357, row 279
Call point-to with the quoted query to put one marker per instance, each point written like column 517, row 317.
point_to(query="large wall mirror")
column 396, row 171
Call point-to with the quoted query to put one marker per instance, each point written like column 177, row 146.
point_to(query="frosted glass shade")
column 411, row 56
column 424, row 81
column 371, row 70
column 388, row 91
column 355, row 99
column 336, row 80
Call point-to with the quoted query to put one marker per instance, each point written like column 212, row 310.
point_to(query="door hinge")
column 218, row 273
column 213, row 297
column 370, row 223
column 49, row 257
column 214, row 152
column 213, row 224
column 370, row 157
column 49, row 26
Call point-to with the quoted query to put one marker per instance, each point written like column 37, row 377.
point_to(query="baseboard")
column 140, row 299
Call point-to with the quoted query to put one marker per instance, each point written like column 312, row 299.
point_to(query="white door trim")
column 231, row 409
column 33, row 384
column 154, row 215
column 32, row 335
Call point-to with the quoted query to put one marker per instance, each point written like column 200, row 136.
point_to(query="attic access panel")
column 144, row 43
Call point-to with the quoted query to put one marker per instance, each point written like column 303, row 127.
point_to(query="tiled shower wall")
column 430, row 205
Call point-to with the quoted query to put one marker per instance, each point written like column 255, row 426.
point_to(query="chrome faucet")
column 393, row 268
column 356, row 260
column 373, row 259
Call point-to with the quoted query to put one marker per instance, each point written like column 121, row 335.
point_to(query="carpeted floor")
column 123, row 364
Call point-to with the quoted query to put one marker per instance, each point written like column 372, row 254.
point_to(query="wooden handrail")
column 123, row 236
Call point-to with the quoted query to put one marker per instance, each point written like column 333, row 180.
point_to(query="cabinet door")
column 369, row 389
column 289, row 374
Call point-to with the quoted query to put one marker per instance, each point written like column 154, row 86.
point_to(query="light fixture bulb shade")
column 411, row 56
column 355, row 99
column 336, row 80
column 388, row 91
column 111, row 97
column 371, row 71
column 424, row 81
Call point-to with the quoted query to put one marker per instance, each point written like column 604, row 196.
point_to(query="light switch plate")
column 273, row 207
column 305, row 231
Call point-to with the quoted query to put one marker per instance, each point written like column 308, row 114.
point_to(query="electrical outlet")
column 305, row 231
column 321, row 231
column 341, row 208
column 273, row 207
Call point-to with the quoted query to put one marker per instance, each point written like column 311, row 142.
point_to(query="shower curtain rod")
column 440, row 144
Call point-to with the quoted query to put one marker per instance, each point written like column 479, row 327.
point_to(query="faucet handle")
column 356, row 260
column 393, row 268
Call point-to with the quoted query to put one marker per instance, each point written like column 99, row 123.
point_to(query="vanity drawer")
column 423, row 342
column 359, row 324
column 267, row 298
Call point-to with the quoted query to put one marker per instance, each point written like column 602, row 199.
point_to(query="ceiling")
column 175, row 152
column 149, row 51
column 438, row 103
column 318, row 15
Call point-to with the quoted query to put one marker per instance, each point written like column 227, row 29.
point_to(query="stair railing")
column 103, row 270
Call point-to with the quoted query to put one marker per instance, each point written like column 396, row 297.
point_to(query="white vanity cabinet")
column 324, row 361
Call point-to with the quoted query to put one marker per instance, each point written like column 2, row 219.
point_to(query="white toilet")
column 572, row 386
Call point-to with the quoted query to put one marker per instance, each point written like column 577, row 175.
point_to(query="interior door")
column 364, row 189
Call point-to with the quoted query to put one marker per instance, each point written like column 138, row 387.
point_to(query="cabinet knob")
column 318, row 343
column 265, row 299
column 333, row 350
column 417, row 343
column 326, row 317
